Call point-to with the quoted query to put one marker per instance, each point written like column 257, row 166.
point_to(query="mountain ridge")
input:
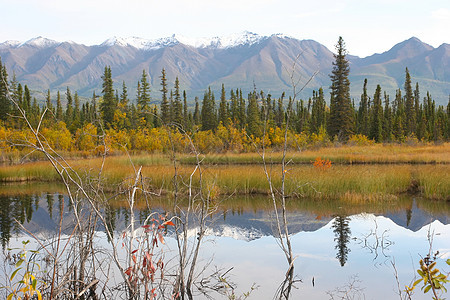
column 238, row 61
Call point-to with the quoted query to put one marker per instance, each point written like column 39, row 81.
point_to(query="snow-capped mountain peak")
column 223, row 42
column 161, row 42
column 239, row 39
column 40, row 42
column 230, row 41
column 10, row 43
column 136, row 42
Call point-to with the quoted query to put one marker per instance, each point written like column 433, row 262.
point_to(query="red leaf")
column 153, row 293
column 168, row 223
column 128, row 271
column 161, row 238
column 134, row 251
column 144, row 262
column 134, row 258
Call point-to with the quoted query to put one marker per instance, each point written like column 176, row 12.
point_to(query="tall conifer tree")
column 208, row 111
column 223, row 108
column 59, row 109
column 108, row 105
column 376, row 128
column 165, row 109
column 363, row 112
column 143, row 101
column 341, row 123
column 5, row 105
column 177, row 106
column 410, row 111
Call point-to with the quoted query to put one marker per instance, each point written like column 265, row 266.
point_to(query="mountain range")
column 246, row 60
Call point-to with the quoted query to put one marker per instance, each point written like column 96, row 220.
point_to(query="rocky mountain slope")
column 239, row 61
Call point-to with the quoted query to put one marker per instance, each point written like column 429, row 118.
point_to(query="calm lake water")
column 335, row 243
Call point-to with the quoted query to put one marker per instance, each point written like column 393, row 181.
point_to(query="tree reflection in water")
column 14, row 208
column 341, row 229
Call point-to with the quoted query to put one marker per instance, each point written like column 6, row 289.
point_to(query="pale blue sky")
column 367, row 26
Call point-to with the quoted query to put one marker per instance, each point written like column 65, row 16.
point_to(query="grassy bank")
column 352, row 183
column 372, row 154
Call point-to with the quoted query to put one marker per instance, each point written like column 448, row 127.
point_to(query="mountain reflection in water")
column 334, row 242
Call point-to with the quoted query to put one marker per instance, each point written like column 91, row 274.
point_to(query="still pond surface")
column 335, row 244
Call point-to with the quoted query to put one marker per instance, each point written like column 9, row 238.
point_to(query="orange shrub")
column 322, row 164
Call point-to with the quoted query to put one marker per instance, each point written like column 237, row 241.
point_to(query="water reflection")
column 333, row 240
column 15, row 208
column 240, row 218
column 341, row 229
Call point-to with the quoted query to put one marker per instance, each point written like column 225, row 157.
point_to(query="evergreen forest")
column 230, row 121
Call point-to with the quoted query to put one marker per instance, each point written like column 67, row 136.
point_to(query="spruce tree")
column 398, row 126
column 270, row 114
column 223, row 108
column 421, row 131
column 341, row 123
column 124, row 107
column 417, row 102
column 26, row 99
column 93, row 109
column 143, row 101
column 187, row 122
column 76, row 108
column 234, row 110
column 196, row 116
column 15, row 95
column 108, row 105
column 429, row 108
column 48, row 101
column 376, row 126
column 124, row 95
column 59, row 109
column 177, row 106
column 410, row 111
column 318, row 112
column 363, row 112
column 208, row 111
column 253, row 116
column 5, row 104
column 165, row 110
column 35, row 112
column 19, row 96
column 280, row 112
column 68, row 118
column 387, row 119
column 242, row 111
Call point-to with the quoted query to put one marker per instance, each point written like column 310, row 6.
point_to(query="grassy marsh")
column 352, row 183
column 358, row 173
column 346, row 154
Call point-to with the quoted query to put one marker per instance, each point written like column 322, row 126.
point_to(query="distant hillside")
column 239, row 61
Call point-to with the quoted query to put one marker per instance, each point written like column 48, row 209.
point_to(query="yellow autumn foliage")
column 58, row 137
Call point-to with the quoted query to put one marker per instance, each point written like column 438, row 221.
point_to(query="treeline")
column 230, row 123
